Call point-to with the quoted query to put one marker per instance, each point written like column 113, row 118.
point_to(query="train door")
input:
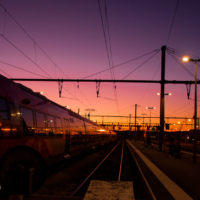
column 67, row 133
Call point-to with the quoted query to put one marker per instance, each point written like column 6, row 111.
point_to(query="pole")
column 135, row 121
column 129, row 125
column 195, row 118
column 143, row 123
column 150, row 118
column 162, row 97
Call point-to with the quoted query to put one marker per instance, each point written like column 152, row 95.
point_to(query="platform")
column 168, row 178
column 109, row 190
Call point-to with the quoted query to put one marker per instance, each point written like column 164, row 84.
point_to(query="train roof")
column 30, row 91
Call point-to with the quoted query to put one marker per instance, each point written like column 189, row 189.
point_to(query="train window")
column 71, row 120
column 27, row 121
column 51, row 125
column 40, row 123
column 4, row 109
column 59, row 126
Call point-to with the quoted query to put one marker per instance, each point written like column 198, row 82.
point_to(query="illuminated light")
column 181, row 130
column 174, row 124
column 170, row 93
column 33, row 128
column 12, row 114
column 19, row 113
column 189, row 120
column 188, row 129
column 197, row 126
column 6, row 129
column 146, row 107
column 41, row 92
column 51, row 121
column 139, row 123
column 185, row 59
column 101, row 130
column 188, row 137
column 158, row 93
column 179, row 122
column 14, row 129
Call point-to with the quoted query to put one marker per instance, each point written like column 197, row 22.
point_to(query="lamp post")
column 150, row 108
column 143, row 120
column 186, row 59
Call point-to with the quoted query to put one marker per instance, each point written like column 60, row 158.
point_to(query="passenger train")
column 36, row 132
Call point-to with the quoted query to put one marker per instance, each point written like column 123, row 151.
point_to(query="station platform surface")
column 168, row 178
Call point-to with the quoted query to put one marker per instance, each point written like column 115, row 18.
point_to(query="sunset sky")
column 70, row 32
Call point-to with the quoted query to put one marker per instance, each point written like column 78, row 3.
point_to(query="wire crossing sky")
column 73, row 39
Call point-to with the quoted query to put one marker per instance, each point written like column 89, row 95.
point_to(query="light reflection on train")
column 36, row 132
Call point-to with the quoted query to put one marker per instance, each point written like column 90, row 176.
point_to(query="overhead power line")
column 172, row 22
column 25, row 55
column 150, row 84
column 110, row 59
column 5, row 73
column 181, row 53
column 141, row 65
column 22, row 69
column 122, row 63
column 35, row 44
column 178, row 61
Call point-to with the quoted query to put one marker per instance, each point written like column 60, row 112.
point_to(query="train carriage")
column 36, row 132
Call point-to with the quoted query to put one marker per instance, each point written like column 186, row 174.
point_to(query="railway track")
column 119, row 165
column 114, row 164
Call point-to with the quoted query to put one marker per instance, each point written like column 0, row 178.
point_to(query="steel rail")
column 147, row 184
column 94, row 170
column 120, row 168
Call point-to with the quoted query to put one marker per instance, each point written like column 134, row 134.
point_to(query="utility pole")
column 129, row 125
column 195, row 117
column 162, row 97
column 135, row 122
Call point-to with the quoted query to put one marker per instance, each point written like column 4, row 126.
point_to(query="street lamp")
column 187, row 59
column 164, row 94
column 150, row 108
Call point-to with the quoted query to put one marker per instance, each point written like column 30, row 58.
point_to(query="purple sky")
column 70, row 32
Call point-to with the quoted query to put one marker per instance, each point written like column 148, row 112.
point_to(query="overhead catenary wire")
column 24, row 54
column 181, row 53
column 4, row 27
column 150, row 84
column 186, row 110
column 141, row 65
column 124, row 109
column 110, row 60
column 22, row 69
column 35, row 44
column 5, row 73
column 172, row 22
column 185, row 68
column 121, row 64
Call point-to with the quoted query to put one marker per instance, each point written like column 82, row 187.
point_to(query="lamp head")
column 186, row 59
